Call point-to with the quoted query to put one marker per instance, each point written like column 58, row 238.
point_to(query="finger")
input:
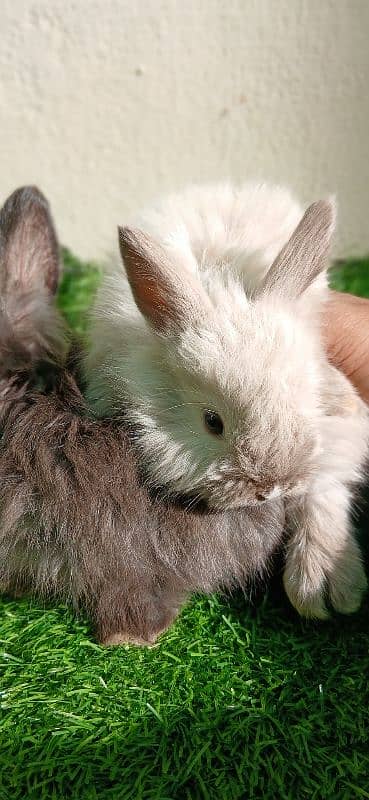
column 346, row 333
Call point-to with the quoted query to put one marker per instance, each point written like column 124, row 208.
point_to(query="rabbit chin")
column 241, row 496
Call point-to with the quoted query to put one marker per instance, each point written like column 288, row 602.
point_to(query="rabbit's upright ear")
column 29, row 253
column 306, row 253
column 169, row 298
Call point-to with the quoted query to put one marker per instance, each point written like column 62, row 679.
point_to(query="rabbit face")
column 221, row 386
column 217, row 422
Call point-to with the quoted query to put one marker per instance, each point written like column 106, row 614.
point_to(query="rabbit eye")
column 213, row 423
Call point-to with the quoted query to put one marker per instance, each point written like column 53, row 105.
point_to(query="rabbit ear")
column 169, row 298
column 29, row 253
column 305, row 255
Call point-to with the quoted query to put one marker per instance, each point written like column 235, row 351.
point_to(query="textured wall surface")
column 107, row 103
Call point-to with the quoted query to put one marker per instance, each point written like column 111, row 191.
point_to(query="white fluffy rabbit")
column 209, row 346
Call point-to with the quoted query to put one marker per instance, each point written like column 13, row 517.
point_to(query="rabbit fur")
column 220, row 308
column 76, row 519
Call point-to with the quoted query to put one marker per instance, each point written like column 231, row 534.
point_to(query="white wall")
column 106, row 103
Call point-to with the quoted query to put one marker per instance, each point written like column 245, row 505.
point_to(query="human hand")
column 347, row 338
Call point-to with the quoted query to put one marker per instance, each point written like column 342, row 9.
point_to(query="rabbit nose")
column 260, row 496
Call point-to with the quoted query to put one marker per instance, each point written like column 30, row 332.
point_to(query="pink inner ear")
column 158, row 290
column 154, row 299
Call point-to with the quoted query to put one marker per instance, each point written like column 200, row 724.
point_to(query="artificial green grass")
column 234, row 702
column 77, row 289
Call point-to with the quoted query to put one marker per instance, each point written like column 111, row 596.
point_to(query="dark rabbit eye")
column 213, row 423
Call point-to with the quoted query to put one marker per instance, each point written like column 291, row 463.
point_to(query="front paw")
column 316, row 581
column 348, row 584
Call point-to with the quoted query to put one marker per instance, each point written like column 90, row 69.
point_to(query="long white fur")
column 256, row 360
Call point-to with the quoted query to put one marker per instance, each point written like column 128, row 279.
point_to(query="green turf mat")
column 235, row 702
column 352, row 276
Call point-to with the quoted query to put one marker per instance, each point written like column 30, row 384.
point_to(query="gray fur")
column 76, row 521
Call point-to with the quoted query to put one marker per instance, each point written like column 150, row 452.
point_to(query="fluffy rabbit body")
column 209, row 348
column 75, row 519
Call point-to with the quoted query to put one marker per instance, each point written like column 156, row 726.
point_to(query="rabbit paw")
column 125, row 638
column 122, row 637
column 348, row 585
column 313, row 586
column 113, row 630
